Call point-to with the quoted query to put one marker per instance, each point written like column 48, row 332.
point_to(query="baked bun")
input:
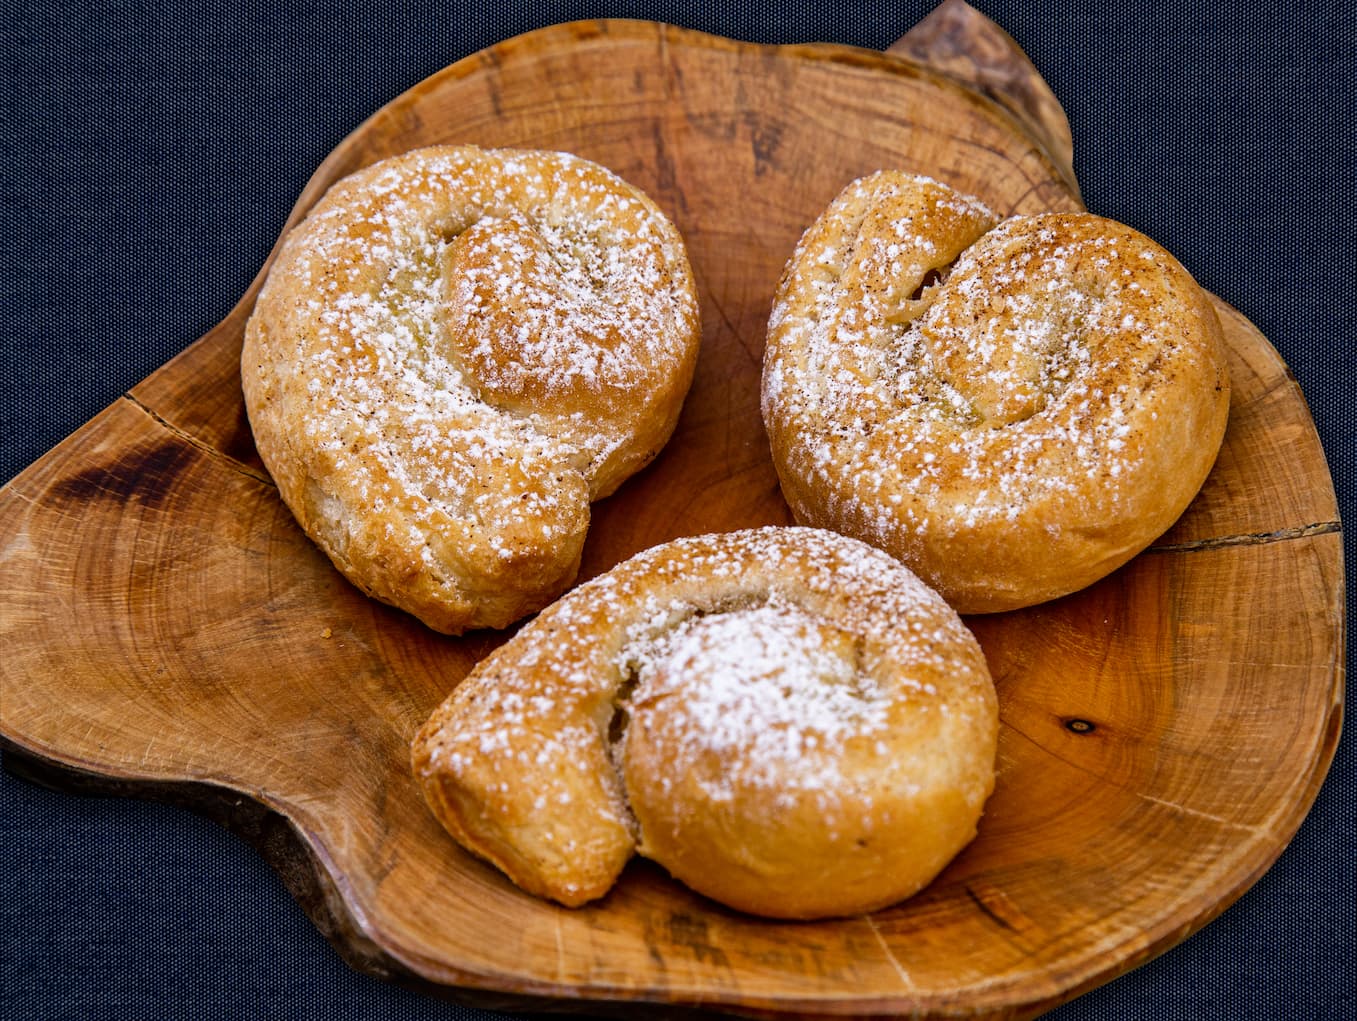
column 786, row 719
column 1013, row 408
column 453, row 354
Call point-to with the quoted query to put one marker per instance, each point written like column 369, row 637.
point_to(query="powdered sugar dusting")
column 763, row 689
column 481, row 275
column 453, row 331
column 719, row 684
column 930, row 369
column 769, row 647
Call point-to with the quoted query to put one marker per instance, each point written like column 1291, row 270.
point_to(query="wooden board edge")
column 959, row 42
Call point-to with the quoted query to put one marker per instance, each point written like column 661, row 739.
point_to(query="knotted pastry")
column 786, row 719
column 1014, row 409
column 456, row 352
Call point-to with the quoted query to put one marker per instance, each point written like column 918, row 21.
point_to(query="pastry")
column 454, row 354
column 1012, row 407
column 786, row 719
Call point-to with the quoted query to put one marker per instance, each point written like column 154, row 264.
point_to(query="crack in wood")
column 189, row 438
column 988, row 911
column 906, row 979
column 1249, row 538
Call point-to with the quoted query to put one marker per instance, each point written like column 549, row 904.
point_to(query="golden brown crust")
column 785, row 718
column 1013, row 408
column 454, row 353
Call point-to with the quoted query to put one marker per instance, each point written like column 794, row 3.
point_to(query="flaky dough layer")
column 786, row 719
column 1014, row 409
column 454, row 353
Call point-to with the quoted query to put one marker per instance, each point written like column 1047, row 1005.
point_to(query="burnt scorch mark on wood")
column 146, row 475
column 666, row 171
column 765, row 136
column 1249, row 538
column 690, row 930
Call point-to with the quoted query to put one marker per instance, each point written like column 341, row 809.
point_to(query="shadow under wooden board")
column 170, row 633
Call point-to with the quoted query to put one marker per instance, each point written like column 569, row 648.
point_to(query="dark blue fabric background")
column 150, row 156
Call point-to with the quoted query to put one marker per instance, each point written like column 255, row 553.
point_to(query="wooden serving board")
column 169, row 632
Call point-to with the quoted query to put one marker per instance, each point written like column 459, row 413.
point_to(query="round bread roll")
column 786, row 719
column 453, row 354
column 1014, row 409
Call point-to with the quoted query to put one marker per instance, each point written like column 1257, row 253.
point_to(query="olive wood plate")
column 170, row 633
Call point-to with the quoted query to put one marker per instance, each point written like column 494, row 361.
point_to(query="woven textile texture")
column 149, row 156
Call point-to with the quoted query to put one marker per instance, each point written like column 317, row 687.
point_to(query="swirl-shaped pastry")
column 786, row 719
column 454, row 353
column 1014, row 409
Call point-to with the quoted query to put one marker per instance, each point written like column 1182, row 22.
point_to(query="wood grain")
column 958, row 41
column 169, row 632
